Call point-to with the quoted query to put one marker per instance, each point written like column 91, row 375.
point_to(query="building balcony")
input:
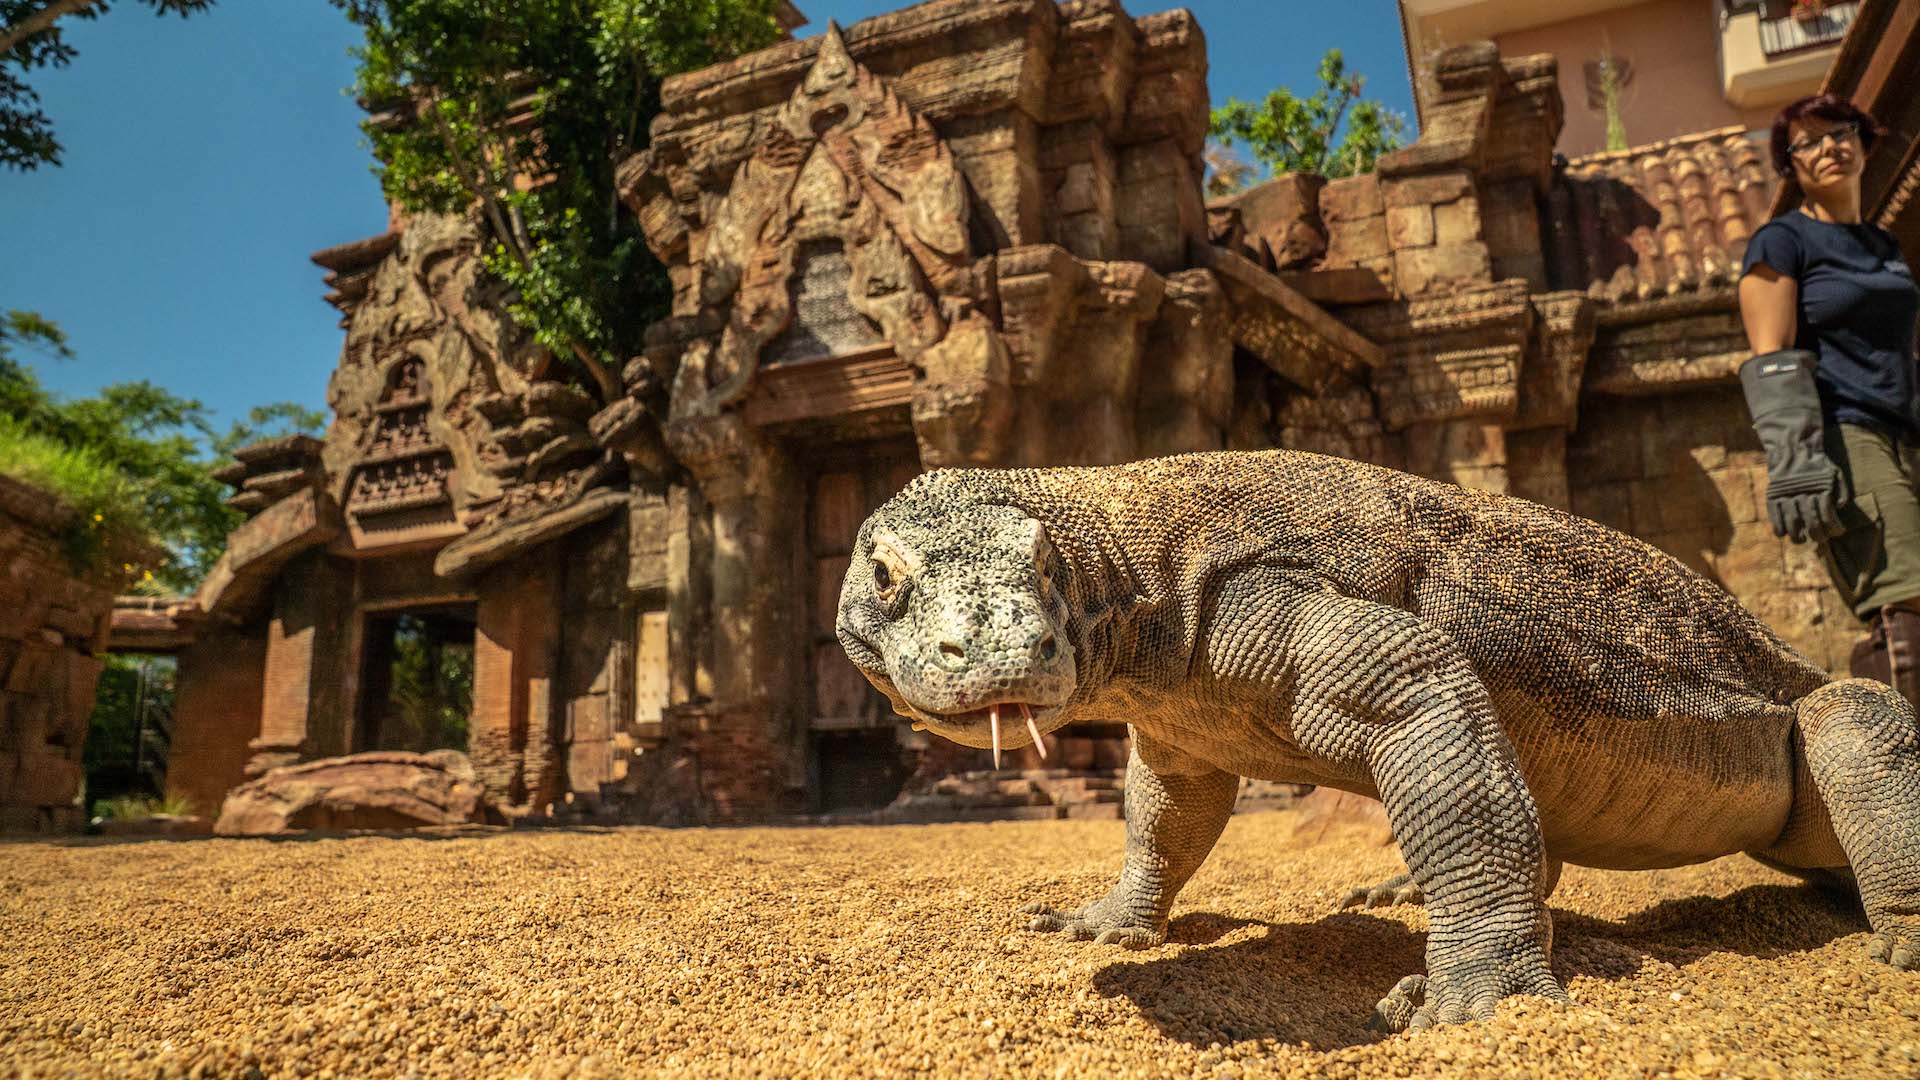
column 1769, row 57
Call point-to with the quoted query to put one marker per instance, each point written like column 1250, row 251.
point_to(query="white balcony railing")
column 1790, row 34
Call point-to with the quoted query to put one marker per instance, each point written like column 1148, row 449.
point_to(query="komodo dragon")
column 1519, row 686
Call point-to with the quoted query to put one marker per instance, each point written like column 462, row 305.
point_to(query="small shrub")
column 109, row 530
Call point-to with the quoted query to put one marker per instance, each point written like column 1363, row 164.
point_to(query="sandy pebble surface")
column 879, row 952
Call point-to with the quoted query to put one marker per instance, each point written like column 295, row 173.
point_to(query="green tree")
column 1332, row 132
column 31, row 37
column 165, row 446
column 523, row 109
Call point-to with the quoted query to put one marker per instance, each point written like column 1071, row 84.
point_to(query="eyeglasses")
column 1839, row 133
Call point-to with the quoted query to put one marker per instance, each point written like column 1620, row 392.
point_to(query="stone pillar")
column 512, row 734
column 1186, row 384
column 744, row 735
column 300, row 698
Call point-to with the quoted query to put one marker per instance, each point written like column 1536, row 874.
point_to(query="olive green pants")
column 1875, row 561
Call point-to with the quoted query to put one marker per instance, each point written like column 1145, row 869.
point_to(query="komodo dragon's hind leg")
column 1382, row 691
column 1864, row 752
column 1400, row 889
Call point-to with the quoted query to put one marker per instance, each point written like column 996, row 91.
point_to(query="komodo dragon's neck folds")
column 1520, row 687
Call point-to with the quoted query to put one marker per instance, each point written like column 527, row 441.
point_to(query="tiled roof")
column 1659, row 220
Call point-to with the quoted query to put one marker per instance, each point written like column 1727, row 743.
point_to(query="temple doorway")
column 417, row 679
column 855, row 760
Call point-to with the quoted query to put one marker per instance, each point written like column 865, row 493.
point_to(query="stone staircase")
column 1013, row 795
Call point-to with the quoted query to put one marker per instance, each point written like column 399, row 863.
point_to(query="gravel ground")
column 878, row 951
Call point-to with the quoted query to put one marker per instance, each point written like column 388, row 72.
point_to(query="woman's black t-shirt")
column 1857, row 305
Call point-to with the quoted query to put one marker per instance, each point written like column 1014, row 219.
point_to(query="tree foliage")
column 1333, row 131
column 523, row 109
column 162, row 446
column 32, row 37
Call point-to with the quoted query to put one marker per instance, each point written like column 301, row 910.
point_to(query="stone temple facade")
column 970, row 233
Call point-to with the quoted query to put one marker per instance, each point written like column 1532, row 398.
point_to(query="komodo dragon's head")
column 957, row 613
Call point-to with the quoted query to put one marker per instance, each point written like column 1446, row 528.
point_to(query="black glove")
column 1805, row 489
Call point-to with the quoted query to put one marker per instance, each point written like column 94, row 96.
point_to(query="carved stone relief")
column 427, row 340
column 844, row 230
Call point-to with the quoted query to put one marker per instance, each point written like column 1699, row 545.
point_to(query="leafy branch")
column 1333, row 132
column 31, row 37
column 521, row 111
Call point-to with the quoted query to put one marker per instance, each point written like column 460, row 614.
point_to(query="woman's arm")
column 1768, row 308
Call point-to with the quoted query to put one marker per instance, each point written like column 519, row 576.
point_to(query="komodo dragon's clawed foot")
column 1898, row 945
column 1102, row 923
column 1394, row 890
column 1418, row 1002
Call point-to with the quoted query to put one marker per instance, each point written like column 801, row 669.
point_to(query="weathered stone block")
column 43, row 779
column 1351, row 198
column 1410, row 226
column 1708, row 456
column 1426, row 190
column 1456, row 222
column 1284, row 214
column 1695, row 548
column 1740, row 489
column 1073, row 752
column 1158, row 206
column 1609, row 504
column 1434, row 269
column 1804, row 566
column 1753, row 562
column 1110, row 753
column 1794, row 614
column 1358, row 242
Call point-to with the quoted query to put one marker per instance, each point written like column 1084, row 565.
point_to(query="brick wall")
column 52, row 627
column 1685, row 473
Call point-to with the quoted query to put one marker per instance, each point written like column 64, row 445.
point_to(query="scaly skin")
column 1520, row 687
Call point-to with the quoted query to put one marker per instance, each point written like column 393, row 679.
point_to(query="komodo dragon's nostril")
column 1049, row 648
column 952, row 656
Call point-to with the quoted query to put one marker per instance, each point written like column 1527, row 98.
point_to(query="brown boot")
column 1891, row 652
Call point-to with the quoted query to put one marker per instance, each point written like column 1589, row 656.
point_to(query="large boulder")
column 380, row 790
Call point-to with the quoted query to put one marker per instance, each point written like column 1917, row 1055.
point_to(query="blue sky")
column 206, row 158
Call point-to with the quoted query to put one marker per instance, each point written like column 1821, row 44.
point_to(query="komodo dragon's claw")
column 1395, row 890
column 1899, row 947
column 1093, row 923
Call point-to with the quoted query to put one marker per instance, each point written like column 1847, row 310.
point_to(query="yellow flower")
column 98, row 518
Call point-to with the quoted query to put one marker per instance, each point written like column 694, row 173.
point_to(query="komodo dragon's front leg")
column 1379, row 691
column 1176, row 809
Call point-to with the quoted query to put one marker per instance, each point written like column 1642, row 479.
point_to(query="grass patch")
column 110, row 525
column 141, row 807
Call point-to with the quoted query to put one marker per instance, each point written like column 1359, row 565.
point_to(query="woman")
column 1829, row 307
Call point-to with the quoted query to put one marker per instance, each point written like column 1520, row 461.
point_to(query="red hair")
column 1829, row 107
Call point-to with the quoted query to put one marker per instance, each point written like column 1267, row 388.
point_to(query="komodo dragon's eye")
column 891, row 567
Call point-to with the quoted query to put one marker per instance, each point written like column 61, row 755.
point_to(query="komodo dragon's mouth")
column 993, row 716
